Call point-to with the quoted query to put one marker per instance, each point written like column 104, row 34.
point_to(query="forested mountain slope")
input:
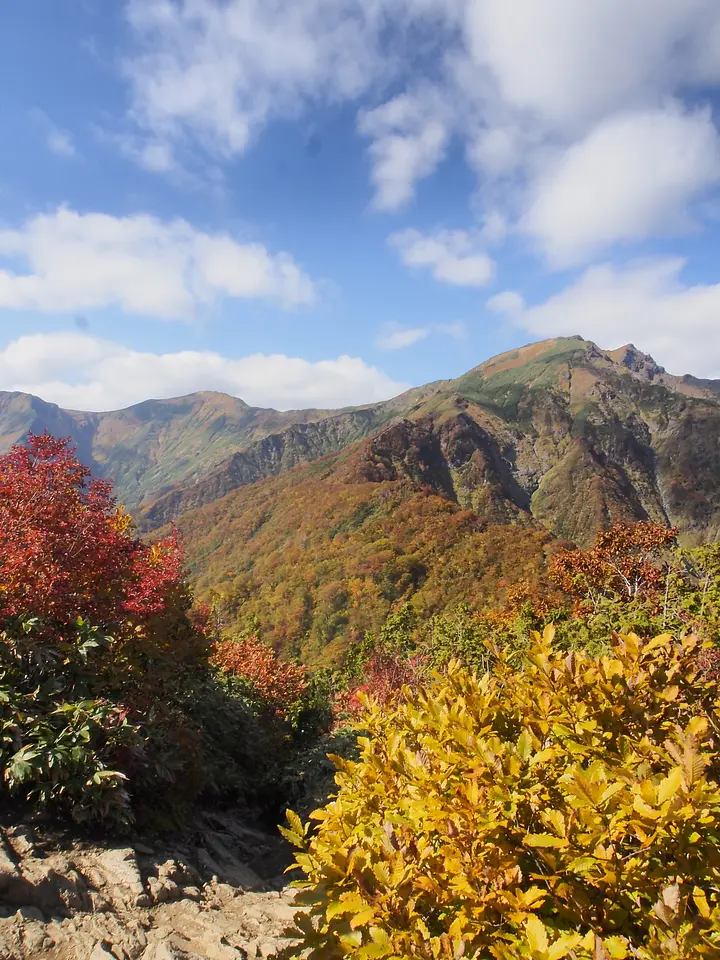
column 569, row 434
column 323, row 554
column 466, row 488
column 561, row 431
column 149, row 448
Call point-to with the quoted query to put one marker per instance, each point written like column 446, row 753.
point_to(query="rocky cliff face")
column 562, row 431
column 567, row 434
column 578, row 438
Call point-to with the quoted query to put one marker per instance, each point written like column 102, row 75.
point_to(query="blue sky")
column 320, row 202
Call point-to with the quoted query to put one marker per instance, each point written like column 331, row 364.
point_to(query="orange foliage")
column 622, row 565
column 525, row 592
column 277, row 683
column 320, row 561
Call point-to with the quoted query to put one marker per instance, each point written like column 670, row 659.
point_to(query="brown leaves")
column 622, row 565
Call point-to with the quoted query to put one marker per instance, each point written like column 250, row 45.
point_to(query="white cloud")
column 57, row 141
column 82, row 372
column 509, row 301
column 410, row 136
column 578, row 146
column 631, row 177
column 60, row 143
column 394, row 336
column 570, row 64
column 156, row 156
column 453, row 256
column 645, row 303
column 542, row 94
column 223, row 69
column 144, row 265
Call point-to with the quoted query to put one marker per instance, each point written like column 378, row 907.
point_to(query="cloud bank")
column 82, row 372
column 578, row 150
column 68, row 261
column 644, row 302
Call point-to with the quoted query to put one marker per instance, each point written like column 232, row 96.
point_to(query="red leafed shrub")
column 67, row 549
column 277, row 683
column 709, row 664
column 385, row 674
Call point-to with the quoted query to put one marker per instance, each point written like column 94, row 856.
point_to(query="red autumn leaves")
column 67, row 550
column 276, row 682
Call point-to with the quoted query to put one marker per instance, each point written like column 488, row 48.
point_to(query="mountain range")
column 560, row 430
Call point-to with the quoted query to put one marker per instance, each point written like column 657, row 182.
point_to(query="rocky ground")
column 218, row 895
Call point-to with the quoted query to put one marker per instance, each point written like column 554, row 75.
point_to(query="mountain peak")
column 520, row 356
column 635, row 360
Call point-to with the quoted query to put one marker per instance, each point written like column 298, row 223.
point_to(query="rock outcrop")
column 212, row 897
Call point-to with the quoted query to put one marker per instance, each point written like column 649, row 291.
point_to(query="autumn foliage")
column 385, row 675
column 277, row 683
column 67, row 549
column 321, row 561
column 621, row 566
column 568, row 809
column 95, row 644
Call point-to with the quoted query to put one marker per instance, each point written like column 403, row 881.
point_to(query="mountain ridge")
column 521, row 431
column 466, row 488
column 530, row 429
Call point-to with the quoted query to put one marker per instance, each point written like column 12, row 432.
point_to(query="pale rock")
column 100, row 904
column 224, row 892
column 163, row 891
column 33, row 935
column 102, row 951
column 121, row 870
column 192, row 893
column 170, row 870
column 22, row 841
column 267, row 948
column 168, row 951
column 30, row 913
column 226, row 865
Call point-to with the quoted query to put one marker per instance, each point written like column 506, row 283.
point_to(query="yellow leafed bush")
column 568, row 809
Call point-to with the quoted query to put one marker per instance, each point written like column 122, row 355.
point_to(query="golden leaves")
column 556, row 812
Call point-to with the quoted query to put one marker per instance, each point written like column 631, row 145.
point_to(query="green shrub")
column 567, row 809
column 61, row 746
